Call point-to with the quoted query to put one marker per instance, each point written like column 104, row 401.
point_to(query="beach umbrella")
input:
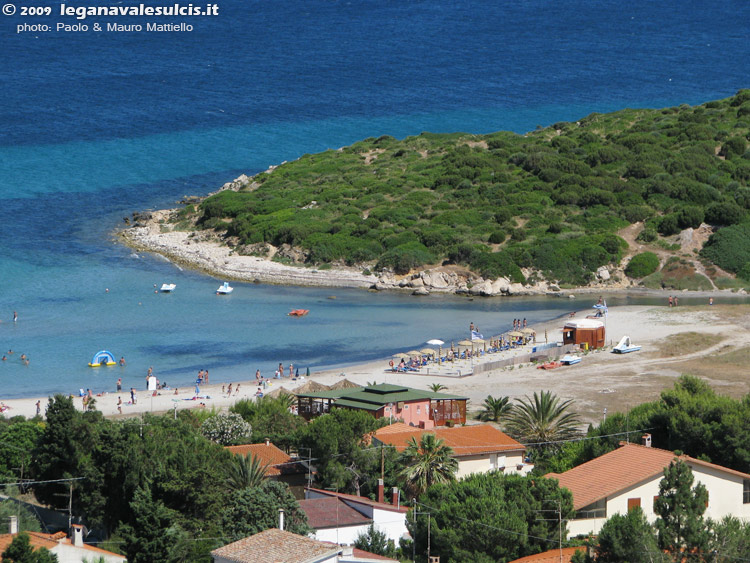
column 466, row 343
column 477, row 341
column 515, row 334
column 413, row 353
column 428, row 351
column 400, row 355
column 435, row 342
column 528, row 330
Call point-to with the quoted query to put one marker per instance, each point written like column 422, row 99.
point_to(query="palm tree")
column 437, row 387
column 543, row 420
column 426, row 462
column 245, row 472
column 495, row 408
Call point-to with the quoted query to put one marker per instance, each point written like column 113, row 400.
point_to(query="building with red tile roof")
column 67, row 549
column 478, row 448
column 629, row 476
column 279, row 546
column 281, row 466
column 563, row 555
column 340, row 518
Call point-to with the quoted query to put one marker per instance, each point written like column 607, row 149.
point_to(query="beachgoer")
column 229, row 390
column 223, row 388
column 150, row 370
column 257, row 375
column 524, row 323
column 237, row 389
column 277, row 375
column 205, row 376
column 175, row 390
column 675, row 301
column 281, row 369
column 390, row 363
column 291, row 370
column 471, row 325
column 10, row 351
column 5, row 358
column 122, row 360
column 119, row 384
column 670, row 300
column 710, row 300
column 133, row 396
column 15, row 316
column 38, row 408
column 119, row 405
column 200, row 376
column 23, row 357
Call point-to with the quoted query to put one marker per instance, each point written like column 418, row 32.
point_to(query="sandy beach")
column 712, row 342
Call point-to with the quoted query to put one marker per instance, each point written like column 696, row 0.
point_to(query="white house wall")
column 485, row 463
column 345, row 535
column 724, row 498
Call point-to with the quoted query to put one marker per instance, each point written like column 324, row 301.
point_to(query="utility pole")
column 414, row 543
column 382, row 463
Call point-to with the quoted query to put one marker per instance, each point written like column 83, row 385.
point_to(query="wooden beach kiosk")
column 587, row 333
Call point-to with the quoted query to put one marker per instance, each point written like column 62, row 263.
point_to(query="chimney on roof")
column 77, row 535
column 381, row 490
column 13, row 525
column 395, row 498
column 646, row 440
column 347, row 550
column 281, row 519
column 268, row 442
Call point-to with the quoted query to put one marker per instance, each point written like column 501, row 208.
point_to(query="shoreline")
column 601, row 381
column 200, row 252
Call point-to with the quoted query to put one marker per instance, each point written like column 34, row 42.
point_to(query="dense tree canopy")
column 551, row 200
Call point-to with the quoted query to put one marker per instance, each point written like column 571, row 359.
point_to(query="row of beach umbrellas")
column 463, row 343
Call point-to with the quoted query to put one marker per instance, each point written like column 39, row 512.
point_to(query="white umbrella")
column 435, row 342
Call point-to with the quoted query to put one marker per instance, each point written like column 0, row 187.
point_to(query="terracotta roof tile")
column 331, row 512
column 275, row 546
column 372, row 556
column 464, row 440
column 360, row 500
column 279, row 463
column 49, row 541
column 620, row 469
column 551, row 556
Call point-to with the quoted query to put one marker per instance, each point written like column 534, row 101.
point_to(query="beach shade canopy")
column 528, row 330
column 344, row 384
column 515, row 334
column 466, row 343
column 428, row 351
column 477, row 341
column 311, row 387
column 414, row 353
column 278, row 392
column 400, row 355
column 435, row 342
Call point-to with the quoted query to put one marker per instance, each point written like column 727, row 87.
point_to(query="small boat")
column 549, row 365
column 298, row 312
column 625, row 346
column 569, row 360
column 167, row 287
column 224, row 289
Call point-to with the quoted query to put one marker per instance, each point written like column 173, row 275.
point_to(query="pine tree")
column 680, row 507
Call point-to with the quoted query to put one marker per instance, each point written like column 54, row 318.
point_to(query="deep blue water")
column 97, row 125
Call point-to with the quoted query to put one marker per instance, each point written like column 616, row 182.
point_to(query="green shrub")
column 724, row 213
column 402, row 259
column 641, row 265
column 729, row 248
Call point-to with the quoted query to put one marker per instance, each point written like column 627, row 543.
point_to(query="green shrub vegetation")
column 551, row 200
column 641, row 265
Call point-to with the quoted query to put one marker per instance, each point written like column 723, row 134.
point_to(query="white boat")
column 569, row 360
column 167, row 287
column 224, row 289
column 625, row 346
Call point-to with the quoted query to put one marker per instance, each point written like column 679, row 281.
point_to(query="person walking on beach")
column 119, row 384
column 119, row 405
column 132, row 395
column 257, row 375
column 205, row 376
column 291, row 370
column 38, row 408
column 229, row 390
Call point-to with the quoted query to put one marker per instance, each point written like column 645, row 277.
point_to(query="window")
column 746, row 491
column 596, row 509
column 633, row 503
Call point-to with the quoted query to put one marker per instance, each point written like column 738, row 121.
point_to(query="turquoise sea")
column 98, row 125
